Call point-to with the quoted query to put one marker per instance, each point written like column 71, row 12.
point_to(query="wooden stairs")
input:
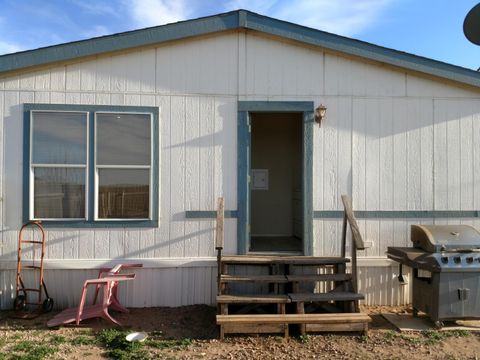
column 313, row 293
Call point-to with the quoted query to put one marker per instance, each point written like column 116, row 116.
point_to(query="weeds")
column 27, row 350
column 168, row 343
column 304, row 339
column 83, row 340
column 119, row 348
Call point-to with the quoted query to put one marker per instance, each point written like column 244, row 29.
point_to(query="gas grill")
column 446, row 271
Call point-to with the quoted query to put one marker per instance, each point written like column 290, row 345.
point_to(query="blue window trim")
column 92, row 109
column 244, row 145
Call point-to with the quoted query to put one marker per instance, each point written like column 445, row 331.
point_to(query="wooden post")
column 219, row 241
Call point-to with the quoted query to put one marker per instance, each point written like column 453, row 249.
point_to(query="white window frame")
column 140, row 167
column 32, row 166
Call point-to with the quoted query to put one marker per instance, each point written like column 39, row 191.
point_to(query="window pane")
column 123, row 139
column 59, row 138
column 59, row 193
column 123, row 193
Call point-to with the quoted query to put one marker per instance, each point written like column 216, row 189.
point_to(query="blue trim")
column 359, row 214
column 275, row 106
column 243, row 184
column 307, row 149
column 90, row 223
column 207, row 214
column 239, row 19
column 399, row 214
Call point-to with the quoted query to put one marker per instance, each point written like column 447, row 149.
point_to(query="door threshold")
column 276, row 253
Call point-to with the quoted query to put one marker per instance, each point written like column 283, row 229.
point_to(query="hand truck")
column 22, row 299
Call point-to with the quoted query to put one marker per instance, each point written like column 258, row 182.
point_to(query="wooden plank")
column 254, row 328
column 356, row 326
column 328, row 318
column 220, row 224
column 293, row 260
column 331, row 296
column 254, row 278
column 319, row 277
column 253, row 299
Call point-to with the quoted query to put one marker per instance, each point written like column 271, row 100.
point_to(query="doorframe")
column 245, row 108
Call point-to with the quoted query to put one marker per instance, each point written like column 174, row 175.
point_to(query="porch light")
column 320, row 113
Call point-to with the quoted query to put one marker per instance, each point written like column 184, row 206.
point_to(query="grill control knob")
column 457, row 259
column 445, row 259
column 469, row 259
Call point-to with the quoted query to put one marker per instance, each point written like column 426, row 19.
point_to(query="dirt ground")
column 190, row 332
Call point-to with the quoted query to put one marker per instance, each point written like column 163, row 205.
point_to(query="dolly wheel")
column 47, row 305
column 439, row 324
column 20, row 303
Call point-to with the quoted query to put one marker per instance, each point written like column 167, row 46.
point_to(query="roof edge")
column 232, row 20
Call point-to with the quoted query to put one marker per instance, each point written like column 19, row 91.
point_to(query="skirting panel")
column 188, row 285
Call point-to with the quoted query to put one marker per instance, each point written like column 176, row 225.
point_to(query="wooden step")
column 278, row 323
column 319, row 277
column 330, row 296
column 278, row 279
column 253, row 299
column 330, row 318
column 287, row 260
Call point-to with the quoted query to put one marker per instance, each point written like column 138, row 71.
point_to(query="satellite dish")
column 471, row 25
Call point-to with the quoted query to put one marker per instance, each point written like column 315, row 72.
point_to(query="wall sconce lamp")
column 320, row 113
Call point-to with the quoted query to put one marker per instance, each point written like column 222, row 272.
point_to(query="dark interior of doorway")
column 276, row 183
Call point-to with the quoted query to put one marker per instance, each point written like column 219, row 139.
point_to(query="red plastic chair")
column 103, row 272
column 110, row 285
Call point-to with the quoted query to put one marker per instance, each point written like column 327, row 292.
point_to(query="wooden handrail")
column 220, row 223
column 357, row 241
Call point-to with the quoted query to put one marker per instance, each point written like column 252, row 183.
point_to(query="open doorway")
column 276, row 206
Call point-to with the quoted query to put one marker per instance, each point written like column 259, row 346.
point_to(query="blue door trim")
column 243, row 179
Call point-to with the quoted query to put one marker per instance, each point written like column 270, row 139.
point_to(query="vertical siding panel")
column 13, row 151
column 86, row 244
column 177, row 177
column 147, row 246
column 133, row 76
column 54, row 245
column 102, row 78
column 360, row 114
column 329, row 169
column 373, row 119
column 399, row 170
column 42, row 80
column 27, row 82
column 426, row 153
column 2, row 169
column 119, row 66
column 454, row 145
column 192, row 174
column 440, row 156
column 147, row 67
column 163, row 65
column 70, row 244
column 88, row 76
column 58, row 79
column 413, row 149
column 226, row 109
column 73, row 77
column 386, row 190
column 132, row 243
column 117, row 244
column 207, row 200
column 163, row 240
column 466, row 156
column 102, row 245
column 476, row 156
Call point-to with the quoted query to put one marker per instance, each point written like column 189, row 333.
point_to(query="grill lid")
column 436, row 238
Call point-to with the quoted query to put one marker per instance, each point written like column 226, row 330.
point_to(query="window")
column 91, row 165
